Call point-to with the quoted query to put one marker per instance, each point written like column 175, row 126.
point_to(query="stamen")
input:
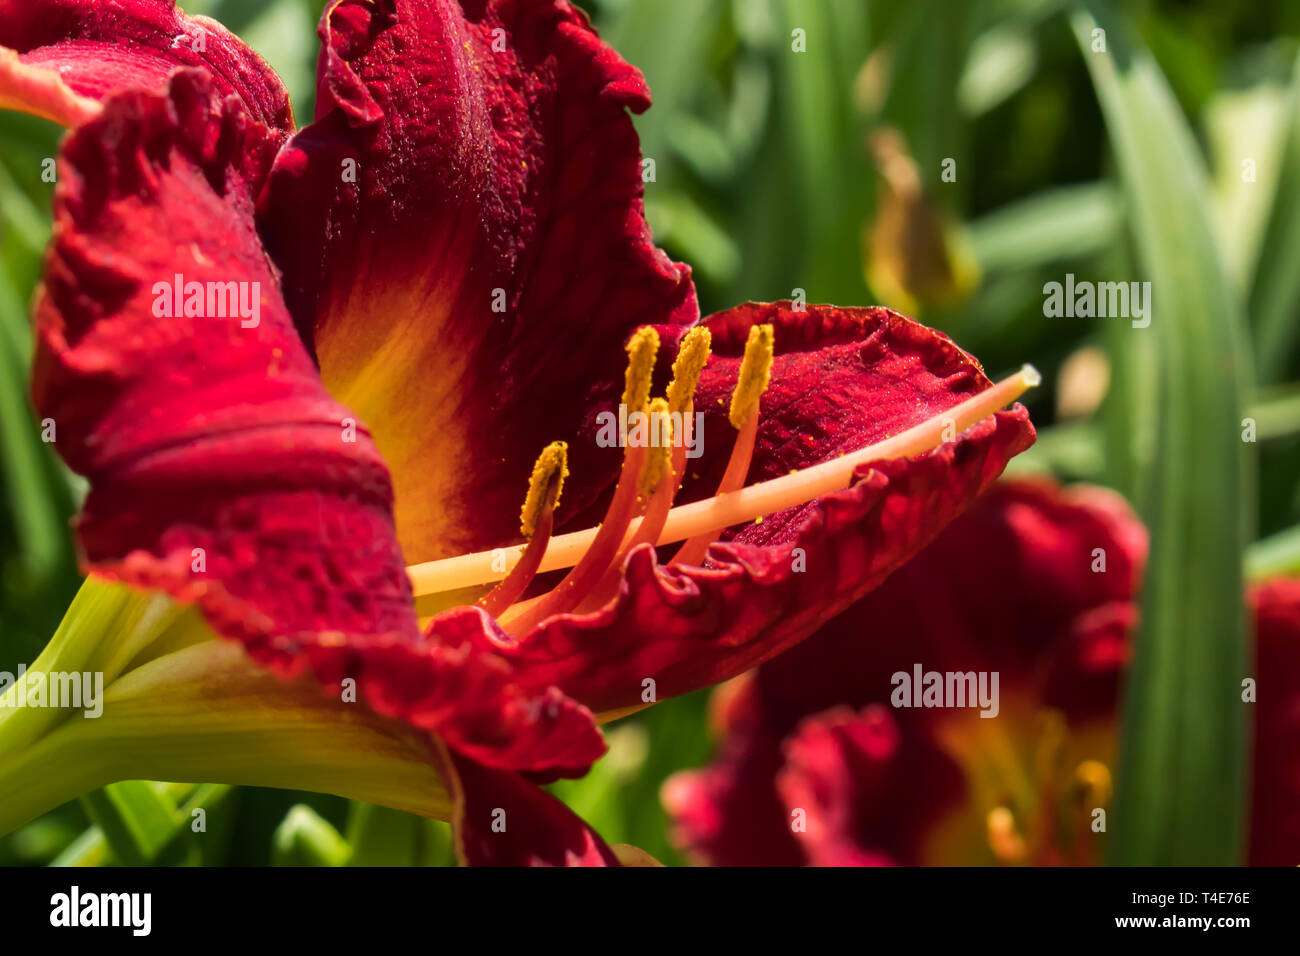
column 590, row 567
column 1093, row 779
column 642, row 349
column 1093, row 782
column 536, row 520
column 658, row 460
column 549, row 472
column 1004, row 839
column 692, row 355
column 755, row 373
column 751, row 383
column 747, row 504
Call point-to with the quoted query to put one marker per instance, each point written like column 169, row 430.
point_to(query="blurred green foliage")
column 768, row 180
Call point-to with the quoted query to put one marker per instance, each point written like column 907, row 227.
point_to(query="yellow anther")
column 755, row 373
column 659, row 454
column 642, row 349
column 1093, row 778
column 549, row 472
column 691, row 356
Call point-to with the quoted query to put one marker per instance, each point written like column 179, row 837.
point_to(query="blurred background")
column 944, row 158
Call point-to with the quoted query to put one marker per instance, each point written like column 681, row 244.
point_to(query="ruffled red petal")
column 220, row 469
column 462, row 236
column 100, row 47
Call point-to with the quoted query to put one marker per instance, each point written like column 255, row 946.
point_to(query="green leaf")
column 1276, row 413
column 603, row 796
column 678, row 220
column 1069, row 222
column 821, row 193
column 1001, row 61
column 185, row 839
column 1073, row 451
column 137, row 818
column 88, row 849
column 379, row 836
column 667, row 40
column 1245, row 129
column 622, row 799
column 36, row 506
column 1275, row 296
column 284, row 33
column 1181, row 784
column 305, row 838
column 1275, row 555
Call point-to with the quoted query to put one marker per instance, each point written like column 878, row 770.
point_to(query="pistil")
column 732, row 508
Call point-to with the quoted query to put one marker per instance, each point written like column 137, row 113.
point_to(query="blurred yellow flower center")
column 1038, row 790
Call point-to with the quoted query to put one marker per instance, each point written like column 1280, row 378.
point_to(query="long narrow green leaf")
column 1275, row 296
column 305, row 838
column 137, row 819
column 379, row 836
column 1181, row 781
column 34, row 506
column 88, row 849
column 1068, row 222
column 92, row 847
column 1275, row 555
column 818, row 47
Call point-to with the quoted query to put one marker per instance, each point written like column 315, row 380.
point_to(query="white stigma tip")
column 1030, row 375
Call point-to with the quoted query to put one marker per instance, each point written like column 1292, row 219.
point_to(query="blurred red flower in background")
column 1036, row 583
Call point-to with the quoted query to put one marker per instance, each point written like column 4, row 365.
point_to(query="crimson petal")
column 99, row 47
column 500, row 819
column 863, row 793
column 220, row 469
column 463, row 239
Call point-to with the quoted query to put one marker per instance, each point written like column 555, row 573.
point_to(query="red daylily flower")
column 447, row 267
column 817, row 765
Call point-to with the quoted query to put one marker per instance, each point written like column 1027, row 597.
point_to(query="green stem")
column 181, row 705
